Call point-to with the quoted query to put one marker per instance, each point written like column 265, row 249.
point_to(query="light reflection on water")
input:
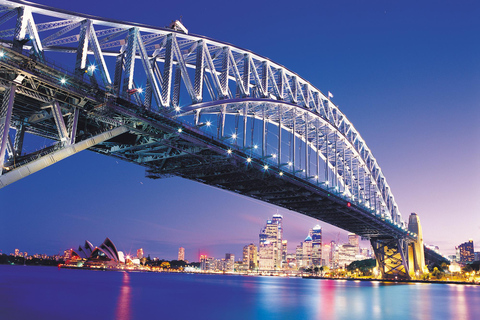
column 48, row 293
column 123, row 305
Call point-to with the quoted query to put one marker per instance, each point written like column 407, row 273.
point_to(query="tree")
column 165, row 265
column 437, row 273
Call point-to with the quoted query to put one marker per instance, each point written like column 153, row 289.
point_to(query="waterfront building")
column 67, row 254
column 181, row 254
column 105, row 255
column 140, row 253
column 316, row 234
column 203, row 262
column 229, row 265
column 477, row 256
column 466, row 252
column 250, row 257
column 17, row 253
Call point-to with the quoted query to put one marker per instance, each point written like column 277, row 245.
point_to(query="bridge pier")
column 391, row 256
column 401, row 258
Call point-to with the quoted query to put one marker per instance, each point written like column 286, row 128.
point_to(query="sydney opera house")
column 103, row 256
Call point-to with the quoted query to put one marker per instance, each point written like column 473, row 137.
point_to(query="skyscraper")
column 284, row 251
column 304, row 253
column 181, row 254
column 317, row 245
column 271, row 244
column 229, row 262
column 140, row 253
column 466, row 252
column 354, row 240
column 250, row 257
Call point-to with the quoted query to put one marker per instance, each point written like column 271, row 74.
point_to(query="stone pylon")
column 416, row 255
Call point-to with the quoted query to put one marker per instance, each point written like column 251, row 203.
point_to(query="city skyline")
column 402, row 76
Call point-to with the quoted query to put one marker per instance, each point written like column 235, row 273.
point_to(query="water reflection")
column 123, row 310
column 460, row 310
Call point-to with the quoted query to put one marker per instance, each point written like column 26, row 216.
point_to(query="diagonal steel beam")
column 51, row 158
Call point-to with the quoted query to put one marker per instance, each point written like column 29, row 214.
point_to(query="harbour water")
column 28, row 292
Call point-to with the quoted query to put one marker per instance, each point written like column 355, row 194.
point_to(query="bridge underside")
column 232, row 172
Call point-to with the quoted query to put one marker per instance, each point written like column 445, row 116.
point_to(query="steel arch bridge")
column 190, row 106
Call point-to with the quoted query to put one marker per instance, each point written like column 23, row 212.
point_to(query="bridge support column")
column 391, row 256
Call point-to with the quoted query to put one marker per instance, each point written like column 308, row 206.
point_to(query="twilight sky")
column 406, row 74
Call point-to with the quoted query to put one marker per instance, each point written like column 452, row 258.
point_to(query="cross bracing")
column 188, row 105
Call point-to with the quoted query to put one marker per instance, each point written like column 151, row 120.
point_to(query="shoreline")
column 394, row 281
column 270, row 275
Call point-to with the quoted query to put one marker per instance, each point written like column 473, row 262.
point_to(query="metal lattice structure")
column 186, row 105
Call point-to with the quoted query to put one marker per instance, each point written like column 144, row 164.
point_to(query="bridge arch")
column 345, row 172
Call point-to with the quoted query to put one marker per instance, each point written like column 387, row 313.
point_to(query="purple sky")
column 406, row 74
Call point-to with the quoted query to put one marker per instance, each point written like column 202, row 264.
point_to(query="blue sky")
column 406, row 74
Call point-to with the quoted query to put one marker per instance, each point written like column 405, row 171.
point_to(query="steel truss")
column 392, row 257
column 207, row 111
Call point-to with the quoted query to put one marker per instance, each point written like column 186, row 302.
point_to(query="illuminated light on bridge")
column 200, row 88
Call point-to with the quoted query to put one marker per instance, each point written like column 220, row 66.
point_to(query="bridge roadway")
column 71, row 108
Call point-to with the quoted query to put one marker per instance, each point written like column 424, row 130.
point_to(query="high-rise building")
column 17, row 252
column 140, row 253
column 266, row 261
column 250, row 259
column 284, row 251
column 181, row 254
column 229, row 262
column 333, row 255
column 317, row 245
column 271, row 244
column 347, row 253
column 354, row 240
column 304, row 253
column 466, row 252
column 326, row 255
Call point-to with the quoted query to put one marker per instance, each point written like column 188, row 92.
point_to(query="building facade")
column 181, row 254
column 466, row 252
column 250, row 257
column 271, row 246
column 316, row 233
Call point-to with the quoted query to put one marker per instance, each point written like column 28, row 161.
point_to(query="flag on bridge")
column 330, row 95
